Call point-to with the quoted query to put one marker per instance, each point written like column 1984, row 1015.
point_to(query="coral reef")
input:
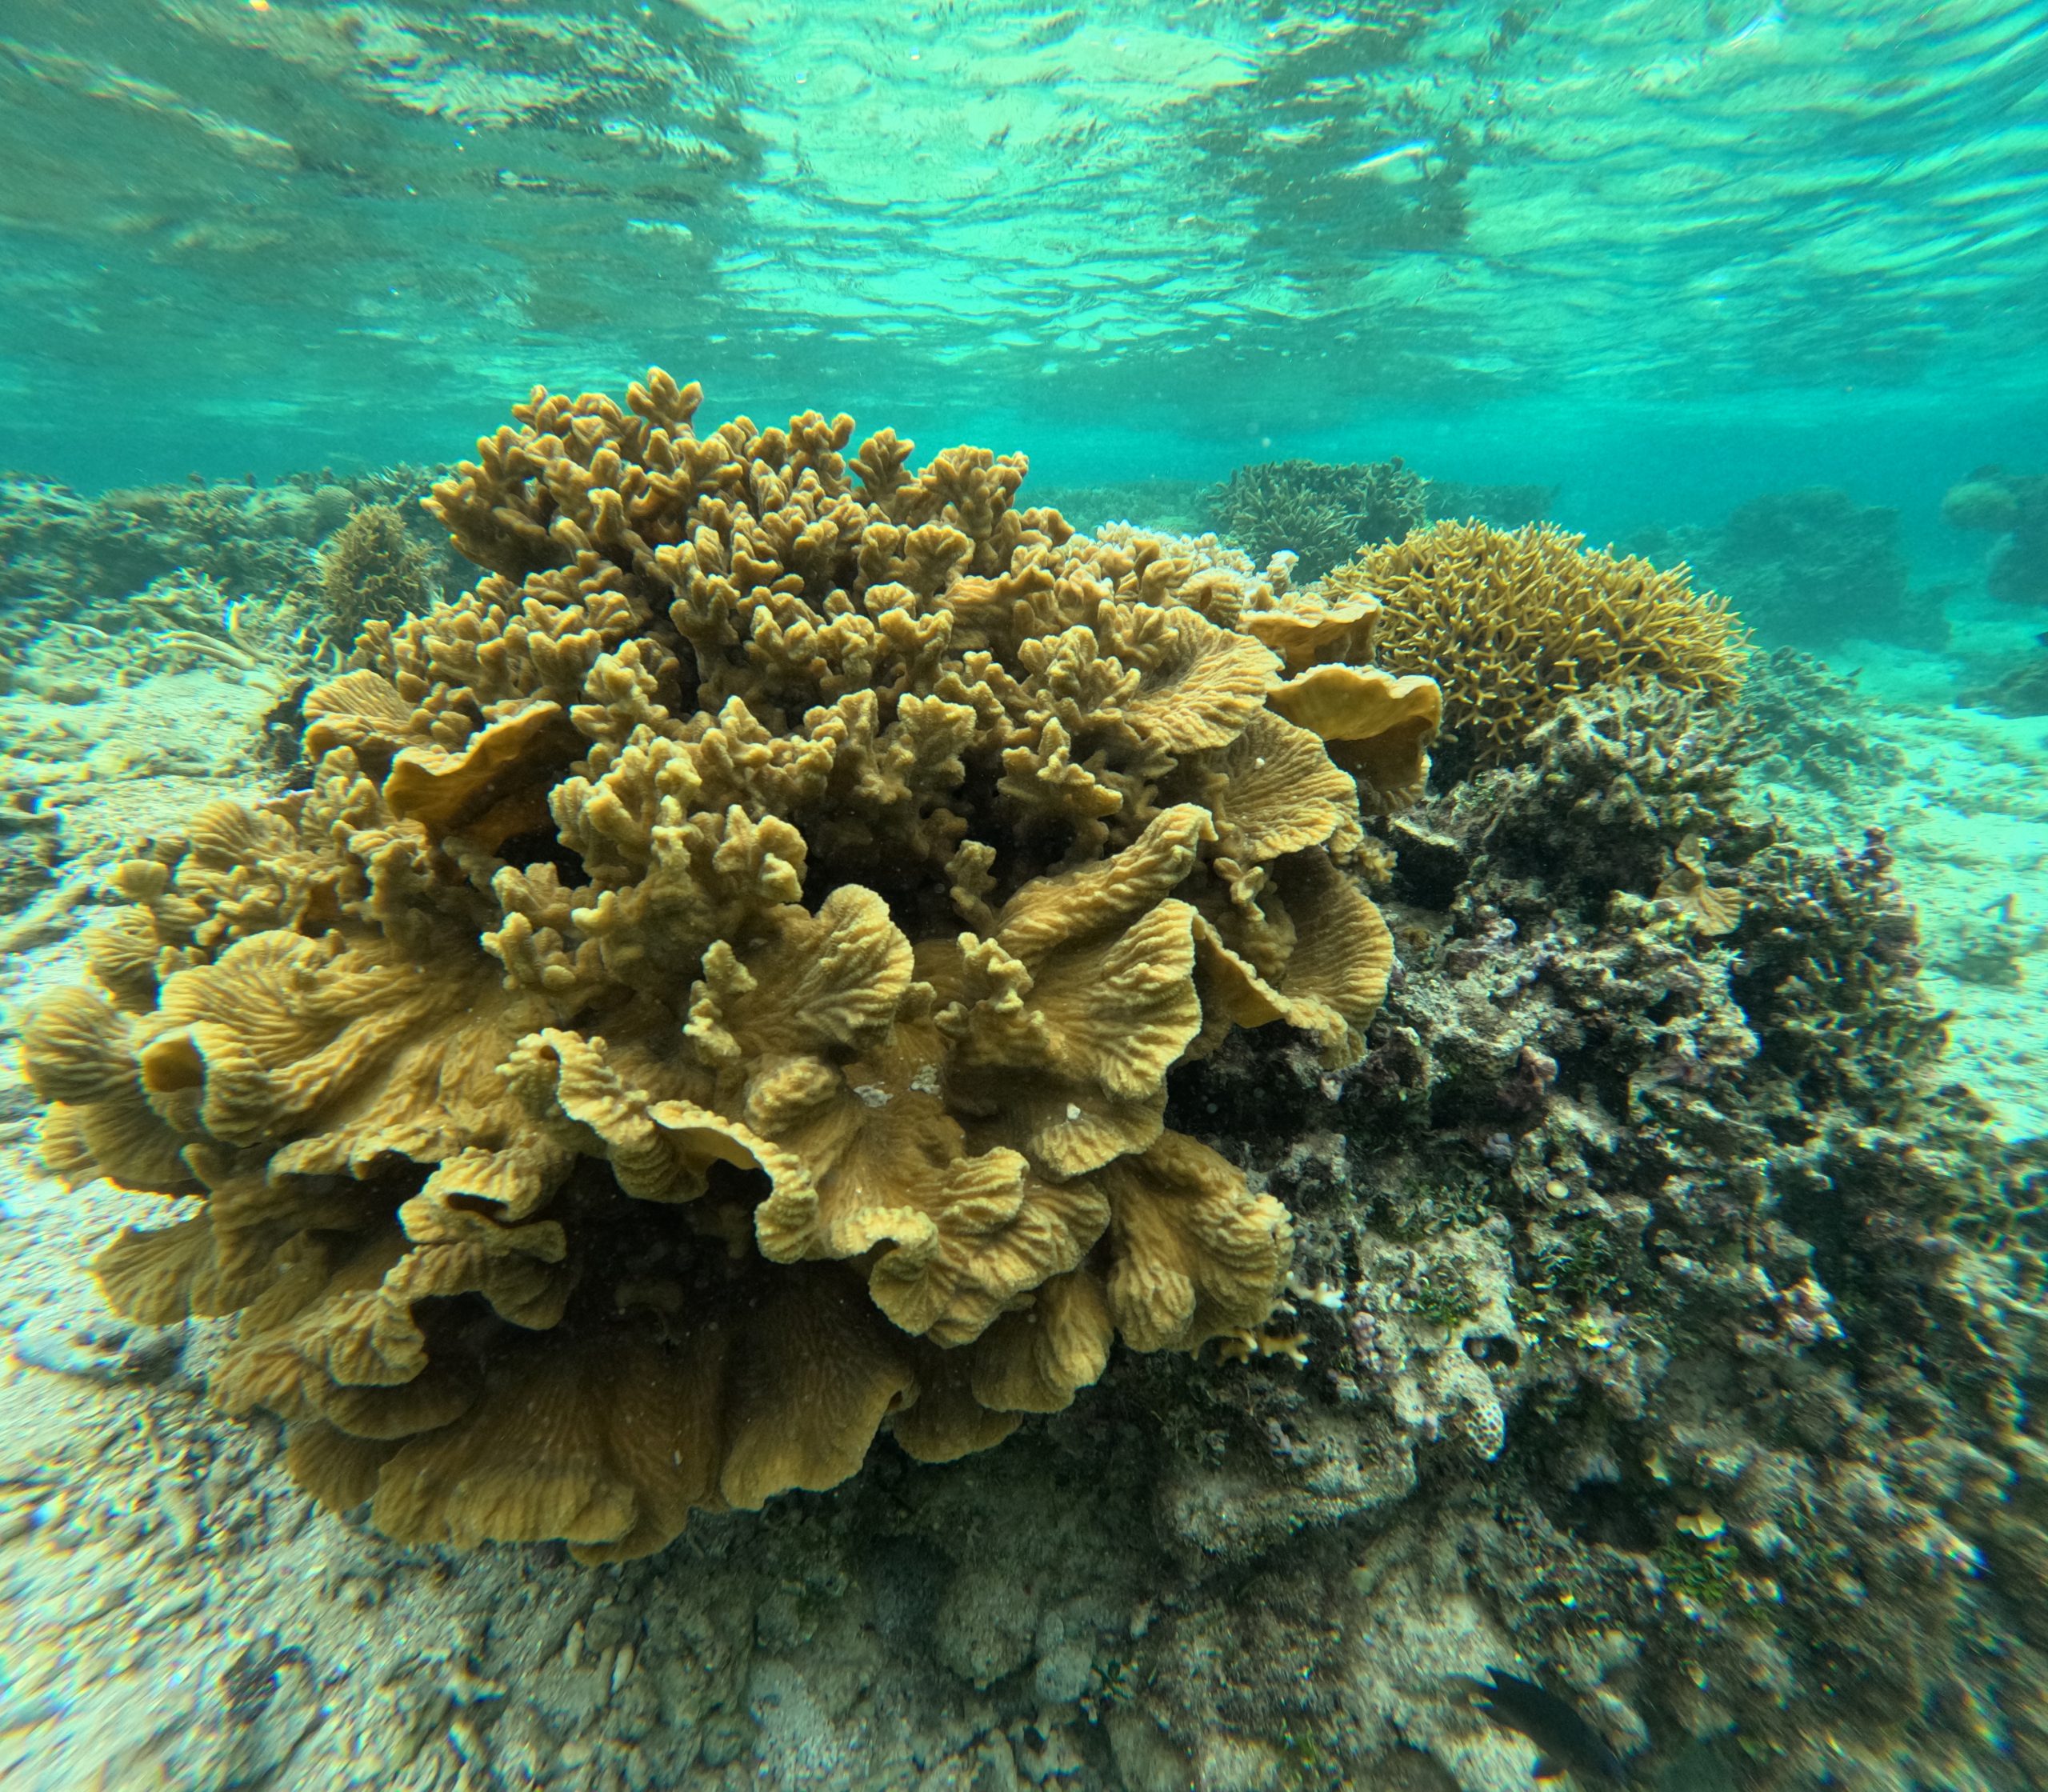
column 1515, row 622
column 1659, row 1325
column 247, row 538
column 373, row 570
column 2012, row 506
column 1608, row 1289
column 1767, row 1469
column 1321, row 514
column 1960, row 789
column 1809, row 569
column 1815, row 729
column 2021, row 690
column 595, row 1109
column 176, row 575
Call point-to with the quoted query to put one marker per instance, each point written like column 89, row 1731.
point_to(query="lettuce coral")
column 1511, row 623
column 714, row 993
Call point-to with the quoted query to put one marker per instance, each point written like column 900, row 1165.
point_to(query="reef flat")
column 1588, row 1267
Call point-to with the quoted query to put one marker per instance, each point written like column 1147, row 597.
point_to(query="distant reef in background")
column 1810, row 568
column 2012, row 507
column 1324, row 514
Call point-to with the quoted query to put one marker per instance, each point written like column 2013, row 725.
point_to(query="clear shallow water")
column 1664, row 257
column 1660, row 251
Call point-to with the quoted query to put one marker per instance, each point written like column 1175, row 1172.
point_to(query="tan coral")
column 1377, row 727
column 1512, row 622
column 373, row 569
column 1713, row 912
column 714, row 993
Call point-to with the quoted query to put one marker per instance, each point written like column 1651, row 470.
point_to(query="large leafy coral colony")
column 713, row 992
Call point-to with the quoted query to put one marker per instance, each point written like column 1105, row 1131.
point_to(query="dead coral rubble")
column 716, row 992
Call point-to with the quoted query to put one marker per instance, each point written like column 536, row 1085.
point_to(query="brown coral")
column 372, row 568
column 716, row 991
column 1512, row 622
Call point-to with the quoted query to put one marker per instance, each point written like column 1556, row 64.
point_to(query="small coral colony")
column 727, row 986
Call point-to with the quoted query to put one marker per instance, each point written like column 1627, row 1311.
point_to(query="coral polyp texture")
column 714, row 992
column 1512, row 622
column 372, row 568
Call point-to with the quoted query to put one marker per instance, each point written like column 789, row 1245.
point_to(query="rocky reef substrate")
column 1660, row 1322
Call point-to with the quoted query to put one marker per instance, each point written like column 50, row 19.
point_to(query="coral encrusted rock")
column 1512, row 622
column 714, row 993
column 1663, row 1321
column 2015, row 507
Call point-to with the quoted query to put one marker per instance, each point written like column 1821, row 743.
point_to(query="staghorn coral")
column 595, row 1107
column 1519, row 620
column 1323, row 514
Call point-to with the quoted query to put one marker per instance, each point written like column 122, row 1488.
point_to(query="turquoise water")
column 1667, row 253
column 1723, row 1420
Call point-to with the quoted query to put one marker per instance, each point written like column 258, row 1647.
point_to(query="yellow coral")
column 1712, row 911
column 1512, row 622
column 715, row 993
column 372, row 568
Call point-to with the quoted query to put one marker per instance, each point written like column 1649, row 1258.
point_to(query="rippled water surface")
column 353, row 229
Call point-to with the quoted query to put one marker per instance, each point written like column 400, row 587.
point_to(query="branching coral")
column 372, row 568
column 1519, row 620
column 595, row 1106
column 1323, row 514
